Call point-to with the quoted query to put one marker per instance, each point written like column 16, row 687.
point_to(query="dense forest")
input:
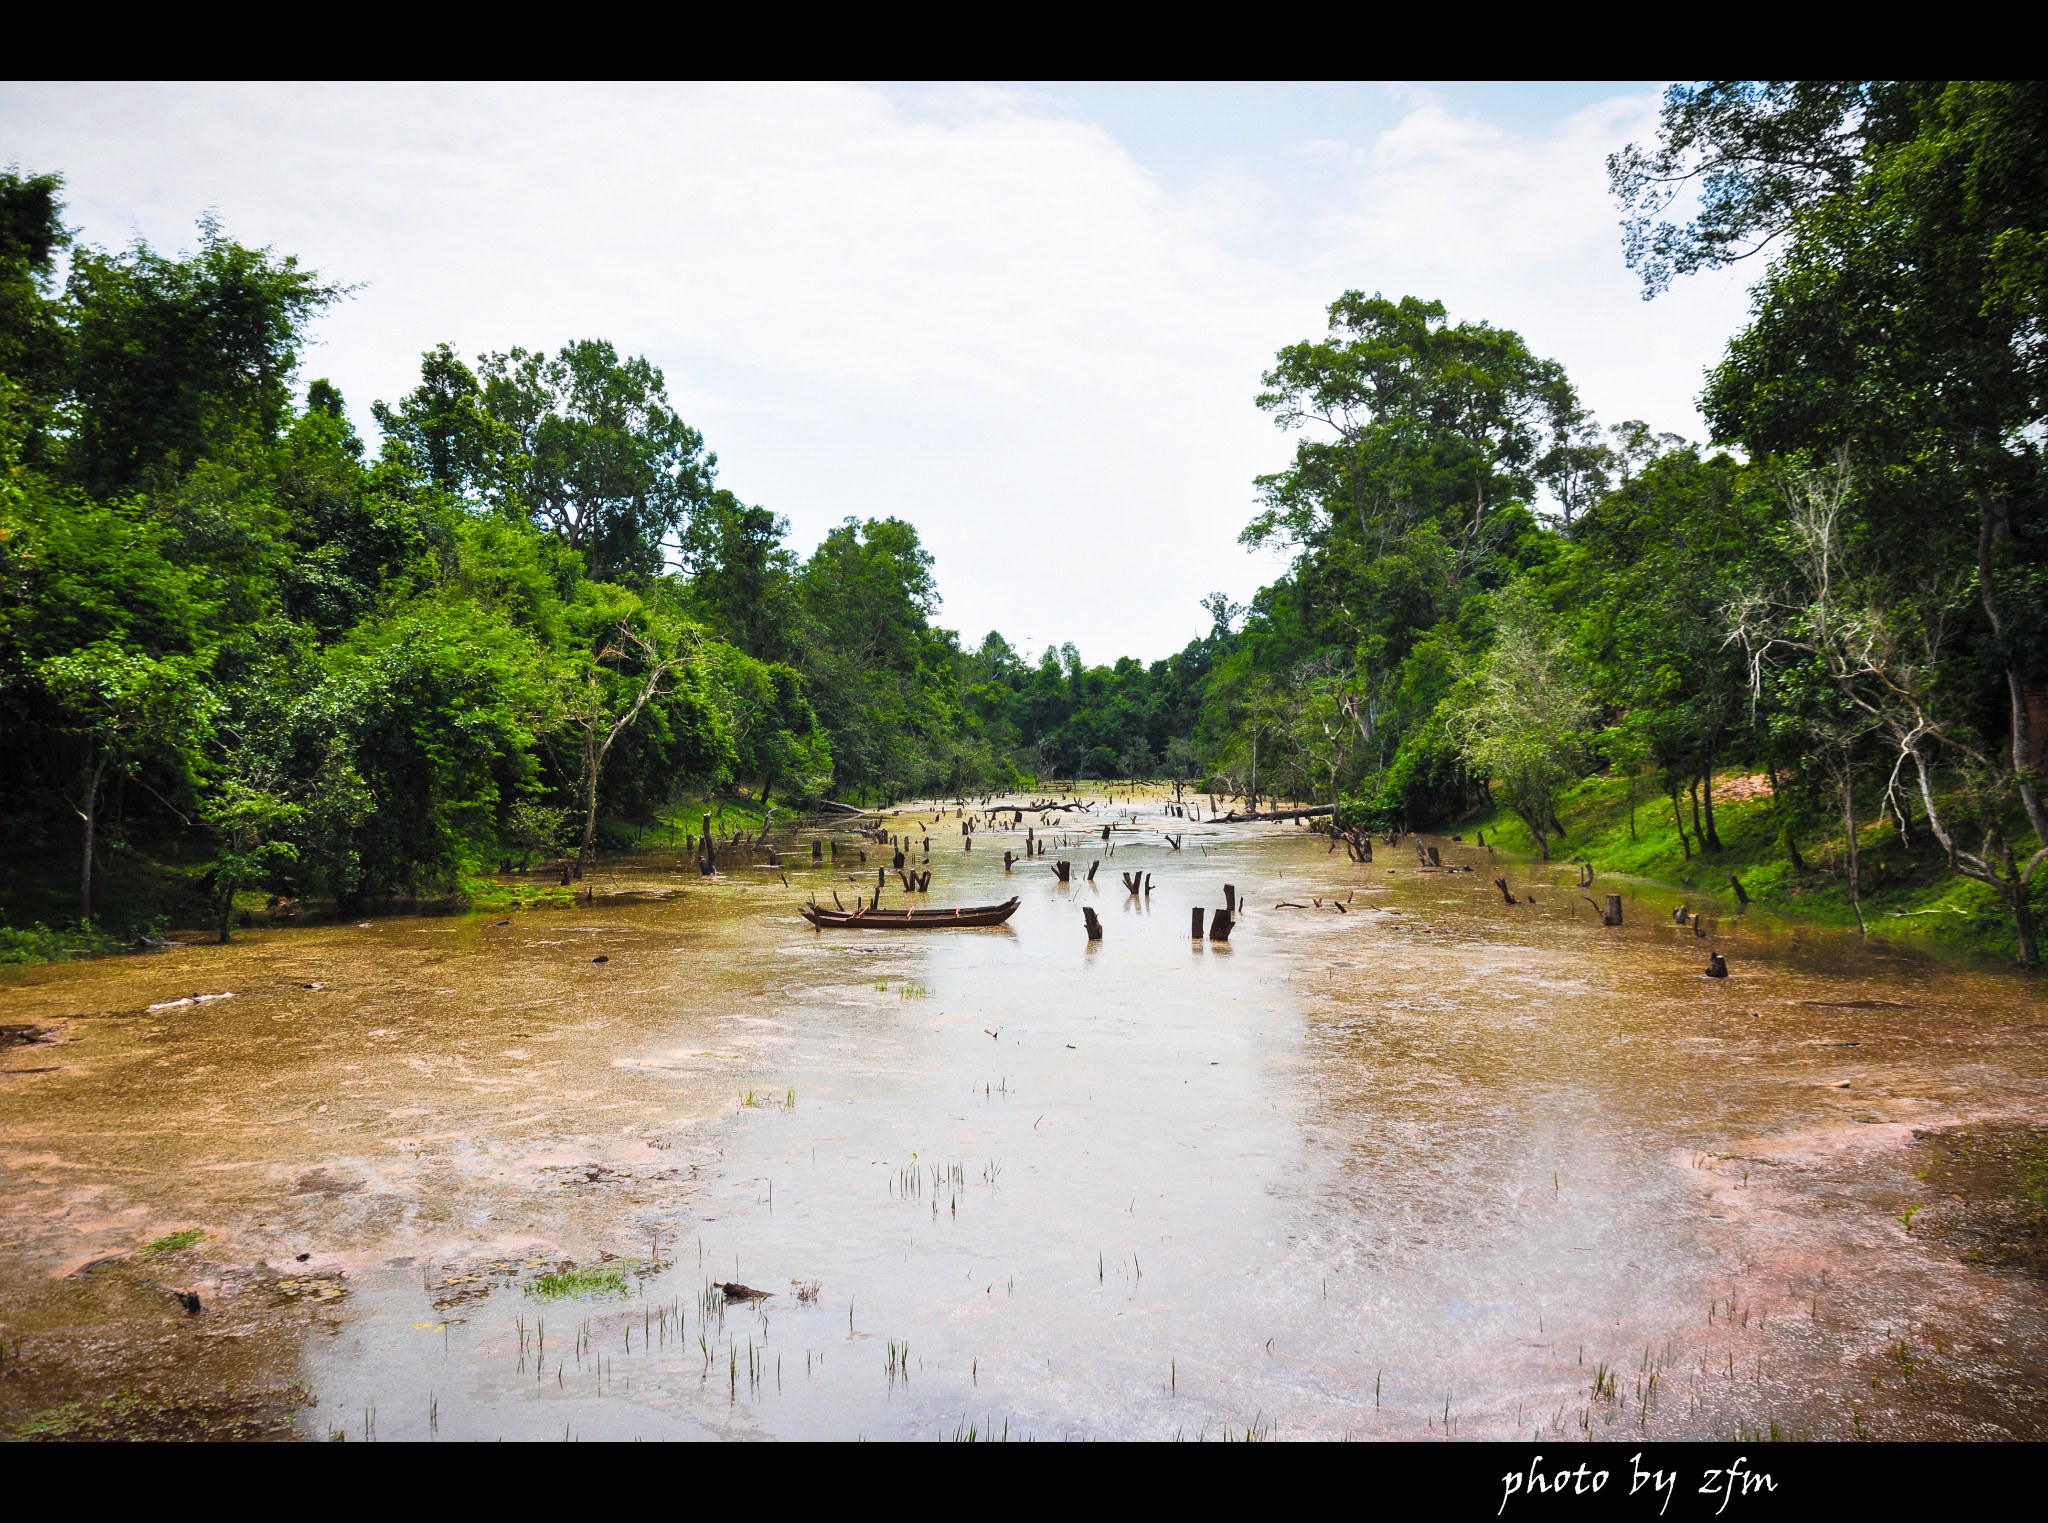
column 243, row 654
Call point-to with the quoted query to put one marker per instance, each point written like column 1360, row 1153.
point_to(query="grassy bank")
column 1908, row 891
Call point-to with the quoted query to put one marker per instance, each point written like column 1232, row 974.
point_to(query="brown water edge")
column 1387, row 1172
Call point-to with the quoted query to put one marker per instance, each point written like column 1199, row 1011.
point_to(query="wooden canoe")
column 910, row 920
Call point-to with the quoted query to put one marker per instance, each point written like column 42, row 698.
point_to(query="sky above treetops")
column 1029, row 318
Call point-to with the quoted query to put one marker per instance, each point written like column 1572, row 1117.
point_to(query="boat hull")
column 908, row 920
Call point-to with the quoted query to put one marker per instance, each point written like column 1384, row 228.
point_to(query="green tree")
column 598, row 456
column 1894, row 324
column 1526, row 713
column 172, row 360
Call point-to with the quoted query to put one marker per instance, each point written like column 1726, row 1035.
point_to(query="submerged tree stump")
column 1220, row 925
column 1717, row 965
column 1435, row 858
column 1094, row 925
column 1063, row 870
column 817, row 850
column 1092, row 866
column 1009, row 860
column 1196, row 931
column 1612, row 914
column 1229, row 899
column 1506, row 897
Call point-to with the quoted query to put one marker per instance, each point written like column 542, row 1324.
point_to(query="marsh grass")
column 173, row 1242
column 579, row 1284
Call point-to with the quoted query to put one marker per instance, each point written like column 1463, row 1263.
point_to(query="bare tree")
column 608, row 706
column 1886, row 665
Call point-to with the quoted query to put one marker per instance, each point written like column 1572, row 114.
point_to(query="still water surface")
column 1428, row 1166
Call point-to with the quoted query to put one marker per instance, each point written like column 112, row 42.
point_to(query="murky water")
column 1429, row 1165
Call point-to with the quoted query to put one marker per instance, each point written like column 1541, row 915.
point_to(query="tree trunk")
column 1699, row 831
column 2023, row 922
column 1848, row 781
column 95, row 774
column 1713, row 837
column 1678, row 815
column 591, row 762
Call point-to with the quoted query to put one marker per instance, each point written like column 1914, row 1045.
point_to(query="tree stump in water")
column 1063, row 870
column 1612, row 914
column 1682, row 915
column 1094, row 925
column 1220, row 925
column 1478, row 838
column 1229, row 903
column 817, row 850
column 1131, row 882
column 1009, row 858
column 1435, row 858
column 1196, row 932
column 1506, row 897
column 1717, row 965
column 881, row 876
column 1091, row 868
column 898, row 861
column 1741, row 893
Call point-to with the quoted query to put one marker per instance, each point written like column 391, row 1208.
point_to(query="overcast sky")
column 1030, row 319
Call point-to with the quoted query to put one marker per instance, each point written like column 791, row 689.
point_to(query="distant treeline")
column 229, row 637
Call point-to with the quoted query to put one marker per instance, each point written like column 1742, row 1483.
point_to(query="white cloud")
column 964, row 306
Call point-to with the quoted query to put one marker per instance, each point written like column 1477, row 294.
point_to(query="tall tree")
column 599, row 457
column 1895, row 324
column 173, row 359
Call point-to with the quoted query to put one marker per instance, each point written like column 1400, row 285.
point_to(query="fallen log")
column 1234, row 818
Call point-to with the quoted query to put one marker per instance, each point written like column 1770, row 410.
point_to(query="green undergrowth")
column 39, row 943
column 175, row 1242
column 686, row 818
column 579, row 1284
column 1909, row 893
column 524, row 892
